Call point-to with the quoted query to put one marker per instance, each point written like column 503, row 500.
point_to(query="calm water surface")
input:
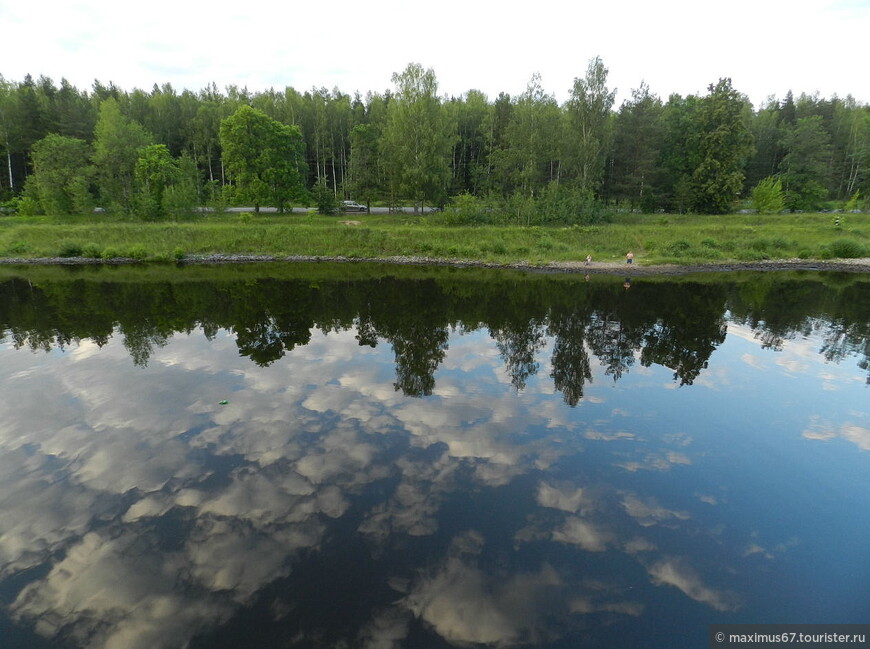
column 353, row 456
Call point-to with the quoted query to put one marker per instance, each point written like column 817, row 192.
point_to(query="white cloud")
column 678, row 573
column 171, row 43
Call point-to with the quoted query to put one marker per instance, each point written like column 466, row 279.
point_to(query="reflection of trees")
column 419, row 352
column 518, row 348
column 571, row 367
column 689, row 325
column 674, row 324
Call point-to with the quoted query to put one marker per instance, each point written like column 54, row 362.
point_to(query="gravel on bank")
column 611, row 268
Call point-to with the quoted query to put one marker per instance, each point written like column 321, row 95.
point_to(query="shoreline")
column 861, row 265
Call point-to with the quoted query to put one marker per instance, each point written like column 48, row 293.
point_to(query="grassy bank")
column 654, row 239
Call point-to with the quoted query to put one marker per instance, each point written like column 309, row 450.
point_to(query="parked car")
column 353, row 206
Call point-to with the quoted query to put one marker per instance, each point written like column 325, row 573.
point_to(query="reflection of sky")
column 137, row 510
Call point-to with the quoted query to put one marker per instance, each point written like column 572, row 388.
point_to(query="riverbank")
column 861, row 265
column 659, row 243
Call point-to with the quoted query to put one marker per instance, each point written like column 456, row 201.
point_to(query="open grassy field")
column 654, row 239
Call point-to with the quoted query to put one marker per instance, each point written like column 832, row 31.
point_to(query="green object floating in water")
column 224, row 402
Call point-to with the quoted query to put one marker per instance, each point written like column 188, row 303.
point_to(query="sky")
column 767, row 47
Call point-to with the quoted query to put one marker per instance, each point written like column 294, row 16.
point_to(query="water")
column 360, row 456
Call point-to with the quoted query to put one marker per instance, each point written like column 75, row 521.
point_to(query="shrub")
column 324, row 197
column 137, row 251
column 92, row 251
column 846, row 249
column 110, row 253
column 767, row 196
column 18, row 247
column 69, row 248
column 677, row 248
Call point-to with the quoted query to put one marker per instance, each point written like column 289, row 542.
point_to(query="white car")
column 353, row 206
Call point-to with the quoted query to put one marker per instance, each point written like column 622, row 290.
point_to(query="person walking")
column 629, row 258
column 588, row 259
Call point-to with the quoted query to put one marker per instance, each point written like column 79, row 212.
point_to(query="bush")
column 110, row 253
column 767, row 196
column 137, row 251
column 69, row 248
column 846, row 249
column 92, row 251
column 324, row 197
column 677, row 248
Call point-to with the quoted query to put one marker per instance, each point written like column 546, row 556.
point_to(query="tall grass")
column 653, row 238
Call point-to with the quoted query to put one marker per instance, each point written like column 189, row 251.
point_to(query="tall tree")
column 679, row 153
column 529, row 157
column 587, row 139
column 636, row 148
column 363, row 174
column 116, row 149
column 724, row 145
column 61, row 175
column 804, row 169
column 418, row 137
column 263, row 157
column 471, row 114
column 155, row 171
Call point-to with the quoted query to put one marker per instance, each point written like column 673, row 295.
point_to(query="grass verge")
column 654, row 239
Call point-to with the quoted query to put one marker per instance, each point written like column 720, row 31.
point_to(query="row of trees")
column 159, row 153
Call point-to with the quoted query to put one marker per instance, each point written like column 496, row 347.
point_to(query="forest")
column 159, row 154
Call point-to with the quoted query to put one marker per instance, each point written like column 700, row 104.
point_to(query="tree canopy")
column 694, row 153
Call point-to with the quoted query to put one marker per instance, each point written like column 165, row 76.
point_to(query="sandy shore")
column 610, row 268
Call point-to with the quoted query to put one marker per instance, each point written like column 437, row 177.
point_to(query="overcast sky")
column 766, row 46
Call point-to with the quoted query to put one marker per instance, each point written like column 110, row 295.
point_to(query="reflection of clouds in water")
column 312, row 428
column 678, row 573
column 647, row 512
column 41, row 512
column 752, row 361
column 116, row 593
column 661, row 461
column 824, row 431
column 565, row 497
column 465, row 605
column 584, row 534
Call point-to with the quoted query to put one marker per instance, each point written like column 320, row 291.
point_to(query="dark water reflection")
column 428, row 458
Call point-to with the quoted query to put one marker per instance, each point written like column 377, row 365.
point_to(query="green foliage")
column 852, row 204
column 847, row 249
column 768, row 197
column 805, row 168
column 138, row 252
column 92, row 251
column 263, row 158
column 417, row 137
column 724, row 144
column 155, row 170
column 561, row 204
column 116, row 150
column 70, row 248
column 61, row 175
column 589, row 129
column 324, row 198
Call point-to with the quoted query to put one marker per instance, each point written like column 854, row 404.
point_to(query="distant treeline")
column 158, row 153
